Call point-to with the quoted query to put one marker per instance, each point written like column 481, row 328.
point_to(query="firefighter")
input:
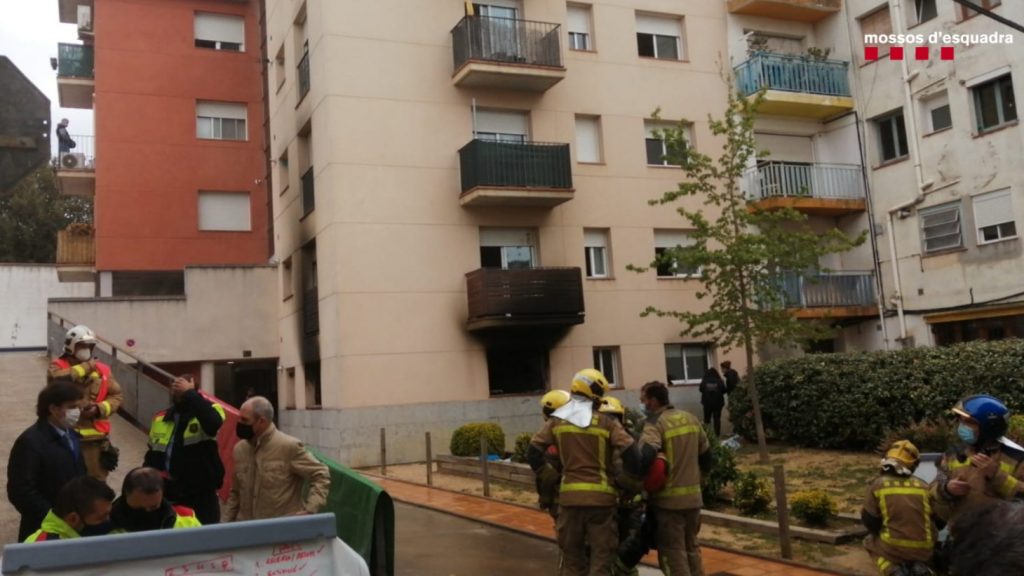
column 986, row 466
column 102, row 398
column 898, row 514
column 547, row 492
column 586, row 440
column 633, row 544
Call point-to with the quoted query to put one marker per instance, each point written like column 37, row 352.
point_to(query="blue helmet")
column 988, row 412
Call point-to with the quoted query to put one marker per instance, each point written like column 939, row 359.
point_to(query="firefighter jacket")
column 53, row 528
column 100, row 388
column 183, row 444
column 1007, row 483
column 898, row 511
column 587, row 456
column 680, row 436
column 168, row 516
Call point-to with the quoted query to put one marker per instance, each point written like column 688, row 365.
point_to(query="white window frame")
column 214, row 116
column 932, row 103
column 996, row 217
column 578, row 24
column 650, row 126
column 589, row 152
column 219, row 43
column 211, row 195
column 888, row 121
column 683, row 348
column 956, row 209
column 661, row 26
column 915, row 15
column 596, row 249
column 614, row 374
column 1000, row 105
column 663, row 241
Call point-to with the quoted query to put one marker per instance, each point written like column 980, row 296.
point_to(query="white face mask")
column 83, row 355
column 71, row 417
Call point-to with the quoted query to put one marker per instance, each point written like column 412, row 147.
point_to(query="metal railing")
column 793, row 179
column 76, row 247
column 792, row 74
column 506, row 40
column 308, row 192
column 524, row 293
column 74, row 61
column 303, row 69
column 828, row 290
column 80, row 157
column 513, row 165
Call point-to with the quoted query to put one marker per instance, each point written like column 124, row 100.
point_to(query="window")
column 279, row 73
column 220, row 32
column 667, row 244
column 224, row 211
column 774, row 43
column 517, row 370
column 659, row 37
column 502, row 126
column 579, row 28
column 940, row 227
column 877, row 23
column 595, row 250
column 892, row 136
column 588, row 139
column 924, row 10
column 966, row 12
column 937, row 112
column 287, row 289
column 606, row 359
column 662, row 152
column 314, row 390
column 994, row 104
column 283, row 173
column 993, row 216
column 220, row 121
column 507, row 248
column 686, row 363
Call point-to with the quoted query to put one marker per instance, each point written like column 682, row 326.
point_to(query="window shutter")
column 221, row 110
column 670, row 238
column 992, row 208
column 595, row 238
column 503, row 122
column 507, row 237
column 876, row 23
column 660, row 25
column 220, row 28
column 227, row 211
column 588, row 139
column 579, row 19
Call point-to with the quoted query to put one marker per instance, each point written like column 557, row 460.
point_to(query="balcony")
column 76, row 253
column 796, row 85
column 817, row 189
column 527, row 174
column 832, row 295
column 537, row 297
column 76, row 167
column 507, row 54
column 799, row 10
column 75, row 78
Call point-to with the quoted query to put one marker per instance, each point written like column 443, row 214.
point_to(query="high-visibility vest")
column 100, row 424
column 161, row 431
column 53, row 528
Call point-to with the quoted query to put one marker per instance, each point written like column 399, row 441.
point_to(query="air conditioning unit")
column 84, row 18
column 72, row 160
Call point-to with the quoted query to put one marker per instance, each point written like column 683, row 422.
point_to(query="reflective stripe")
column 79, row 370
column 601, row 435
column 106, row 407
column 161, row 431
column 1009, row 487
column 883, row 565
column 588, row 487
column 89, row 432
column 678, row 491
column 667, row 491
column 905, row 488
column 570, row 429
column 691, row 429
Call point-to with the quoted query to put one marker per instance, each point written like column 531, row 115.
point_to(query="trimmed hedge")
column 852, row 400
column 466, row 439
column 813, row 507
column 522, row 446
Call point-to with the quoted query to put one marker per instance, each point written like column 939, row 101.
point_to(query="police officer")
column 142, row 505
column 586, row 441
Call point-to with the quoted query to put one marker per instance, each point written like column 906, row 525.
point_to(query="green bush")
column 723, row 471
column 752, row 494
column 852, row 400
column 522, row 444
column 813, row 507
column 1016, row 430
column 928, row 436
column 466, row 439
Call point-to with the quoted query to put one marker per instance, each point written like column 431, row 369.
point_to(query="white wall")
column 25, row 288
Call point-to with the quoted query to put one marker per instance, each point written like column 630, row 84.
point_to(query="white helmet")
column 80, row 334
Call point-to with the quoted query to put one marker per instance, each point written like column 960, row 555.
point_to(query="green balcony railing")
column 790, row 73
column 515, row 165
column 75, row 61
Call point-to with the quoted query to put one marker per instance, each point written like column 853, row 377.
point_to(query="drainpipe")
column 896, row 13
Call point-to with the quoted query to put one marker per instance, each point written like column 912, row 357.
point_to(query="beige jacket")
column 270, row 472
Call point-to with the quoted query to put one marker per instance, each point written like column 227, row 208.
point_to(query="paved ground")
column 22, row 374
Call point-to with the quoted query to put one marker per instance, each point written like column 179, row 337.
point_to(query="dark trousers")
column 714, row 413
column 206, row 506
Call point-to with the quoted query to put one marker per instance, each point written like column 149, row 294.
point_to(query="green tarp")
column 365, row 516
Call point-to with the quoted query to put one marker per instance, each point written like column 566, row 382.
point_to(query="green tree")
column 743, row 253
column 32, row 213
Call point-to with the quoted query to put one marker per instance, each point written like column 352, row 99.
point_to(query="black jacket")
column 195, row 469
column 124, row 518
column 712, row 391
column 41, row 462
column 732, row 379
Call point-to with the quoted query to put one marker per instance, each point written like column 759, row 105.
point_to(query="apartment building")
column 177, row 171
column 458, row 191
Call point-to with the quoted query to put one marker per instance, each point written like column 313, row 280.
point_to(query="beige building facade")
column 457, row 198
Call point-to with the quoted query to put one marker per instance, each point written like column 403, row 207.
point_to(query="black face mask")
column 244, row 431
column 144, row 520
column 96, row 529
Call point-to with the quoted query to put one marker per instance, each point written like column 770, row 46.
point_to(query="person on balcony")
column 64, row 142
